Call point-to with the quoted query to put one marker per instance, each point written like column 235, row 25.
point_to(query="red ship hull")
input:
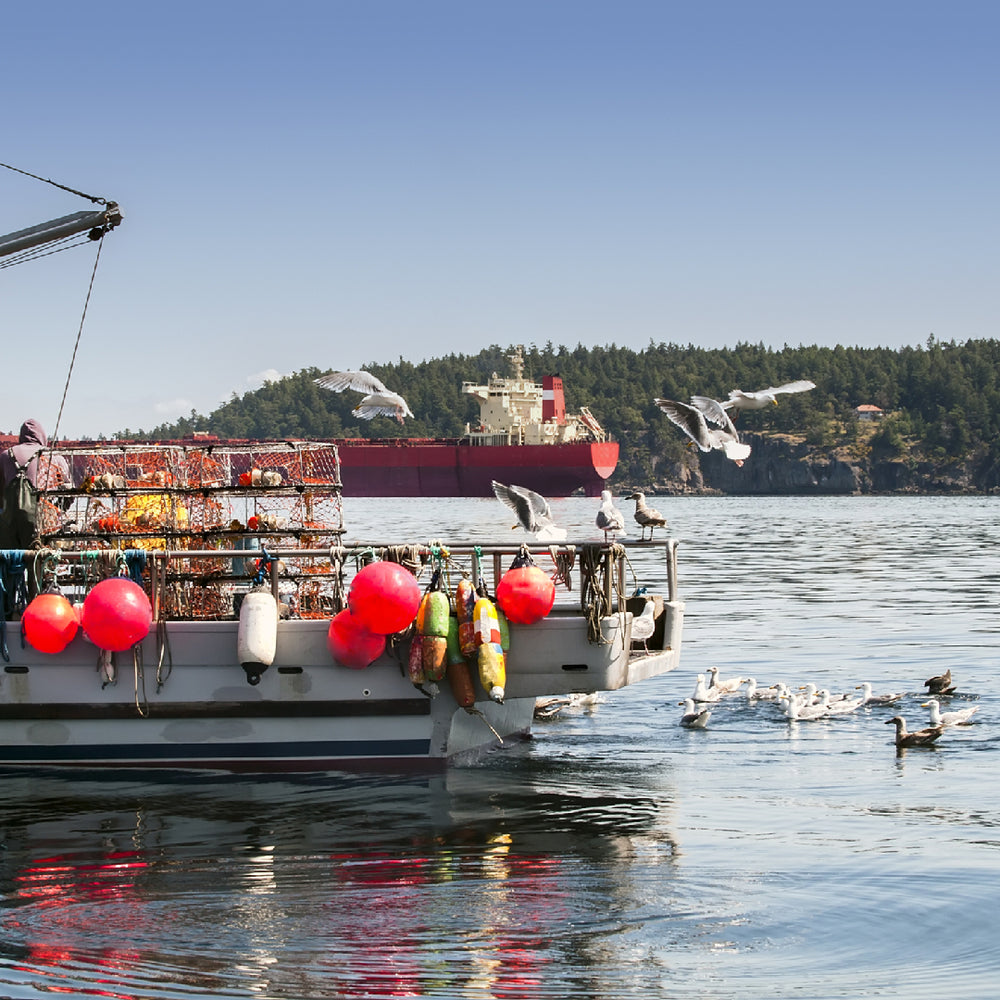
column 425, row 467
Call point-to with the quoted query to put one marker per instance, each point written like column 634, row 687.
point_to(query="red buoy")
column 116, row 614
column 384, row 597
column 526, row 594
column 351, row 644
column 50, row 623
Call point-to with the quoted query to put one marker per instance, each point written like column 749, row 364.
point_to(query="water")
column 616, row 854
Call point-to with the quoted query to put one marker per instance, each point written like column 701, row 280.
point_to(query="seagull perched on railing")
column 609, row 518
column 532, row 511
column 378, row 401
column 647, row 517
column 740, row 400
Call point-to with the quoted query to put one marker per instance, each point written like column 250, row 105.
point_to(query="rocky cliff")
column 783, row 465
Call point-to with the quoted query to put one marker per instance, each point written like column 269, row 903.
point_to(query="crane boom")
column 96, row 223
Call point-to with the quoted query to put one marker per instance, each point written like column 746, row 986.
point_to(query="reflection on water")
column 330, row 886
column 614, row 855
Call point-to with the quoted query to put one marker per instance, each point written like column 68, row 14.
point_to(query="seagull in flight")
column 694, row 420
column 740, row 400
column 532, row 511
column 378, row 400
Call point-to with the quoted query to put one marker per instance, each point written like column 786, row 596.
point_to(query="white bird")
column 694, row 419
column 919, row 738
column 739, row 400
column 694, row 717
column 796, row 711
column 647, row 517
column 702, row 692
column 644, row 624
column 868, row 698
column 960, row 717
column 729, row 686
column 762, row 694
column 839, row 706
column 609, row 517
column 378, row 400
column 532, row 511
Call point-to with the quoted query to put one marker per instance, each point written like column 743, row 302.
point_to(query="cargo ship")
column 523, row 436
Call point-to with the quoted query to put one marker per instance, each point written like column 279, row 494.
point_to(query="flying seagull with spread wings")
column 694, row 420
column 532, row 511
column 378, row 400
column 740, row 400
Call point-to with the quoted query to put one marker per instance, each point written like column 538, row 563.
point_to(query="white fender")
column 257, row 638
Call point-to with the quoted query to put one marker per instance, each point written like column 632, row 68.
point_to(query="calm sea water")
column 616, row 854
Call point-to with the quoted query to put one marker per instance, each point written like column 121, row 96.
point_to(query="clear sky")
column 348, row 181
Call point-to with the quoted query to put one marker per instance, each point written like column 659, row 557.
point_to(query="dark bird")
column 532, row 511
column 378, row 400
column 940, row 684
column 609, row 518
column 739, row 400
column 919, row 738
column 647, row 517
column 694, row 421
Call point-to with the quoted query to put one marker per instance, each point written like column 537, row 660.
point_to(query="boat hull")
column 181, row 700
column 410, row 467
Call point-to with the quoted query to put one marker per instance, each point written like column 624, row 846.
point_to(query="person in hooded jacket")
column 43, row 470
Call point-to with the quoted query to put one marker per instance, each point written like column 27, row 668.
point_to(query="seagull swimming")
column 960, row 717
column 609, row 517
column 647, row 517
column 764, row 694
column 729, row 686
column 532, row 511
column 940, row 684
column 693, row 717
column 694, row 419
column 739, row 400
column 920, row 738
column 702, row 692
column 378, row 400
column 867, row 698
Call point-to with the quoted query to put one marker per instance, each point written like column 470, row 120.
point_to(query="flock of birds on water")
column 809, row 704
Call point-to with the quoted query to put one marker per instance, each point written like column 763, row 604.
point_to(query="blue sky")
column 334, row 183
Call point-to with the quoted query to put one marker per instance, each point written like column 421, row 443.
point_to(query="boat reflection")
column 330, row 885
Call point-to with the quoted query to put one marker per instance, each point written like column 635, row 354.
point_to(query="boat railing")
column 204, row 583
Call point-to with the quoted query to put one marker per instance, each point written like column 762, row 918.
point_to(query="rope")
column 63, row 187
column 79, row 333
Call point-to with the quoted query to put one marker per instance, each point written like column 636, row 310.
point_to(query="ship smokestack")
column 553, row 401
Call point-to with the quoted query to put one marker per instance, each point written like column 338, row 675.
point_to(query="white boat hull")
column 307, row 712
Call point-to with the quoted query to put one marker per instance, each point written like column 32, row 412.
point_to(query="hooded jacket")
column 32, row 439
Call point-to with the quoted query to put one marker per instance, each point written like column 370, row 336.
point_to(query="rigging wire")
column 63, row 187
column 76, row 345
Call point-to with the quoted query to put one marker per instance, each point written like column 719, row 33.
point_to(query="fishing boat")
column 205, row 534
column 198, row 606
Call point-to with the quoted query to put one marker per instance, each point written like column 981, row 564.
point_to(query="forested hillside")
column 942, row 400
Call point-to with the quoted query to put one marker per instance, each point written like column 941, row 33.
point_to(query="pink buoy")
column 116, row 614
column 351, row 644
column 49, row 623
column 384, row 597
column 526, row 594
